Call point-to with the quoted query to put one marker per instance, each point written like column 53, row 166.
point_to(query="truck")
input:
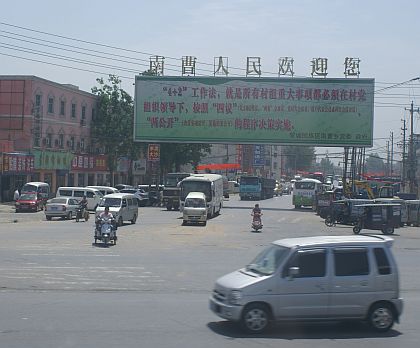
column 209, row 184
column 256, row 187
column 171, row 190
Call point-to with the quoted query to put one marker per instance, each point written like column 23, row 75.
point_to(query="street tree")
column 374, row 164
column 112, row 128
column 298, row 158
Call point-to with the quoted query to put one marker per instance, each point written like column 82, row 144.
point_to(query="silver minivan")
column 314, row 278
column 123, row 206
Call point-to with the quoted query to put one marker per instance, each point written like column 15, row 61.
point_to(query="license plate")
column 53, row 208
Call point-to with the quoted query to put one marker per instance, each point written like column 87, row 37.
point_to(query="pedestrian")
column 16, row 195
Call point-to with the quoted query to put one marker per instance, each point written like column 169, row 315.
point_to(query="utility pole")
column 392, row 153
column 387, row 158
column 403, row 169
column 411, row 154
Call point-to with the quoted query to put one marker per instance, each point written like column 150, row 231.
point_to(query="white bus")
column 210, row 184
column 304, row 192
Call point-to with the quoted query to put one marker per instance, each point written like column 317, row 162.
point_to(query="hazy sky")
column 384, row 34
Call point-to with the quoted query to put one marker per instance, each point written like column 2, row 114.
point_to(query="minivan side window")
column 311, row 263
column 382, row 261
column 89, row 194
column 78, row 193
column 351, row 262
column 65, row 193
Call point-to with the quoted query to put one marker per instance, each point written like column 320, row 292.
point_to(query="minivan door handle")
column 320, row 287
column 364, row 283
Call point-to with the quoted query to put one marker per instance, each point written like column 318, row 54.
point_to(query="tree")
column 298, row 158
column 172, row 156
column 326, row 166
column 113, row 126
column 374, row 164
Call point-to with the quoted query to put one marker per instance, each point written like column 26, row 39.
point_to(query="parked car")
column 314, row 278
column 63, row 207
column 120, row 187
column 29, row 202
column 141, row 196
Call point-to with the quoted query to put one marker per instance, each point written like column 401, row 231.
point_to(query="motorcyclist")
column 256, row 213
column 105, row 216
column 83, row 203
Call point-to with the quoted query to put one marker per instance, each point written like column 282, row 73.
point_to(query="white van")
column 314, row 278
column 93, row 196
column 123, row 206
column 195, row 208
column 41, row 188
column 105, row 190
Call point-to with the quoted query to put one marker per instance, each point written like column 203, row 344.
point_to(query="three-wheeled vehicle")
column 379, row 216
column 413, row 212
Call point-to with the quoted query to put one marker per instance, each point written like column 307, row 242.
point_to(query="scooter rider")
column 83, row 203
column 256, row 213
column 106, row 216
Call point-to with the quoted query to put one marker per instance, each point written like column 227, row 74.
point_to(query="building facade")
column 45, row 135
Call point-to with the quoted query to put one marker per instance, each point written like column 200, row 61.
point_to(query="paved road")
column 151, row 289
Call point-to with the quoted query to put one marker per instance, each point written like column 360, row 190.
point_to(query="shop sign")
column 89, row 163
column 53, row 160
column 139, row 167
column 259, row 155
column 18, row 163
column 154, row 152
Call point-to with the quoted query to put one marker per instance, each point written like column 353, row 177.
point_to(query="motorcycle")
column 256, row 222
column 105, row 231
column 82, row 213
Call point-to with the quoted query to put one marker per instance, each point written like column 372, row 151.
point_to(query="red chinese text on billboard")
column 154, row 152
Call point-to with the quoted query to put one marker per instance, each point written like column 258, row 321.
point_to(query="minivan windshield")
column 269, row 260
column 110, row 202
column 195, row 203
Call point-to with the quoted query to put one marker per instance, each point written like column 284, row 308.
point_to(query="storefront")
column 15, row 170
column 53, row 167
column 88, row 170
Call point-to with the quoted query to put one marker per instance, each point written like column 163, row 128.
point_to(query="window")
column 93, row 114
column 73, row 110
column 351, row 262
column 48, row 140
column 311, row 263
column 62, row 108
column 78, row 193
column 382, row 261
column 89, row 194
column 72, row 143
column 50, row 105
column 38, row 100
column 61, row 140
column 66, row 193
column 83, row 112
column 82, row 144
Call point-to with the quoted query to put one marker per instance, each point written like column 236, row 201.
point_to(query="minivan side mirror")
column 124, row 204
column 293, row 272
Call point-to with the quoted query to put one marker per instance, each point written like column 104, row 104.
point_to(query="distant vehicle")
column 225, row 186
column 233, row 187
column 41, row 188
column 123, row 206
column 141, row 196
column 62, row 207
column 105, row 190
column 93, row 196
column 256, row 187
column 195, row 209
column 171, row 190
column 209, row 184
column 120, row 187
column 29, row 202
column 154, row 193
column 305, row 191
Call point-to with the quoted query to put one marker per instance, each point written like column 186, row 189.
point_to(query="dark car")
column 29, row 202
column 141, row 196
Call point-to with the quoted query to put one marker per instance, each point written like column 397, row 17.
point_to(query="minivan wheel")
column 356, row 229
column 388, row 230
column 381, row 317
column 255, row 318
column 133, row 221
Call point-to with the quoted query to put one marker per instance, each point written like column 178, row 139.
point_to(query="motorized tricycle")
column 105, row 231
column 378, row 216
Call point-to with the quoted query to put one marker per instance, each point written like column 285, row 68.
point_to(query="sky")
column 383, row 34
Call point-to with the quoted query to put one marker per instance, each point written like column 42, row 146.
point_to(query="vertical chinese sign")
column 154, row 153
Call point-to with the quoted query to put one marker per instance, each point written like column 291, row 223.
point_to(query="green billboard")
column 306, row 111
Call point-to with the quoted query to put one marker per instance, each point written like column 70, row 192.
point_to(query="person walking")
column 16, row 195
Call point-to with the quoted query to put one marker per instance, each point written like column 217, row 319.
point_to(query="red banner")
column 154, row 152
column 219, row 166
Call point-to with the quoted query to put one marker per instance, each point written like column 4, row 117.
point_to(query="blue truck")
column 256, row 187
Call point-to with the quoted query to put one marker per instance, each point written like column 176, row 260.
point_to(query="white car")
column 62, row 207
